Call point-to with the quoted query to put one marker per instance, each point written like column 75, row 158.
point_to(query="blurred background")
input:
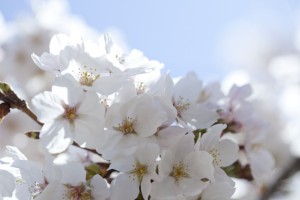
column 231, row 41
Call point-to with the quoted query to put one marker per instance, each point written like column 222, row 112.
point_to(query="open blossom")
column 184, row 96
column 183, row 170
column 138, row 171
column 235, row 111
column 130, row 123
column 69, row 114
column 223, row 151
column 20, row 178
column 70, row 183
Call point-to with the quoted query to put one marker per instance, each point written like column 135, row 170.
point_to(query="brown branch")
column 288, row 172
column 87, row 149
column 8, row 96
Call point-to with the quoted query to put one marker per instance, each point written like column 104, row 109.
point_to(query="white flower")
column 138, row 171
column 235, row 111
column 223, row 151
column 216, row 191
column 185, row 100
column 256, row 153
column 183, row 170
column 23, row 178
column 70, row 183
column 69, row 55
column 69, row 114
column 129, row 123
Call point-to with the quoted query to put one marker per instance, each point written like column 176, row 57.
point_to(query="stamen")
column 216, row 156
column 81, row 192
column 70, row 114
column 139, row 170
column 127, row 126
column 182, row 105
column 180, row 171
column 87, row 77
column 140, row 88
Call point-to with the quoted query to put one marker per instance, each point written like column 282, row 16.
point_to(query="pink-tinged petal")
column 55, row 136
column 47, row 106
column 228, row 151
column 125, row 188
column 99, row 187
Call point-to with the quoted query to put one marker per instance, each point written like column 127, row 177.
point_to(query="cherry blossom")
column 69, row 114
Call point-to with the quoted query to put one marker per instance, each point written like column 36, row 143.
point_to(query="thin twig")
column 289, row 171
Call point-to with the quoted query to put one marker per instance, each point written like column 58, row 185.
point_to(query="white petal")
column 55, row 136
column 165, row 188
column 47, row 62
column 146, row 187
column 221, row 176
column 53, row 191
column 124, row 188
column 228, row 152
column 99, row 188
column 47, row 106
column 88, row 131
column 211, row 138
column 72, row 173
column 7, row 182
column 188, row 87
column 200, row 165
column 261, row 169
column 218, row 191
column 15, row 153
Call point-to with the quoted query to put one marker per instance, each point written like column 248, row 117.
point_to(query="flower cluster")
column 115, row 127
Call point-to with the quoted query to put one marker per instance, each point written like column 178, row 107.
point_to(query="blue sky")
column 184, row 35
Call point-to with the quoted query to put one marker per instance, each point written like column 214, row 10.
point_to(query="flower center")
column 81, row 192
column 127, row 126
column 140, row 88
column 216, row 156
column 181, row 105
column 179, row 171
column 87, row 76
column 70, row 114
column 37, row 189
column 139, row 170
